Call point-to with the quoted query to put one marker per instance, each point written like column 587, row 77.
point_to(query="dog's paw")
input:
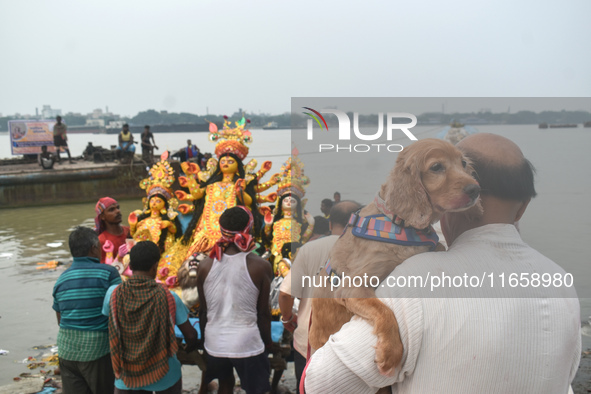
column 388, row 356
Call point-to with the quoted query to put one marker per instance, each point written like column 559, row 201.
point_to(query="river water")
column 557, row 222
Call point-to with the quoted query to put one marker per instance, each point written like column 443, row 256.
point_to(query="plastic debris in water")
column 55, row 244
column 43, row 346
column 3, row 352
column 50, row 265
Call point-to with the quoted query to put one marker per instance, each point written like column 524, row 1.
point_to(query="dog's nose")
column 472, row 191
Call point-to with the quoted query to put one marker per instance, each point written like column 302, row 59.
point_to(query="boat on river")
column 455, row 132
column 271, row 126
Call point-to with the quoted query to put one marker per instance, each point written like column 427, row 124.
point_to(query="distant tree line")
column 521, row 117
column 152, row 117
column 285, row 120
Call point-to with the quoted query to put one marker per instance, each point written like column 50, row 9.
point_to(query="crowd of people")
column 117, row 305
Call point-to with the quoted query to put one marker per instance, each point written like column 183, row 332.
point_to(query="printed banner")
column 28, row 136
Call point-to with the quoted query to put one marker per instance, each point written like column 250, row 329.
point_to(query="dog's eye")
column 437, row 167
column 464, row 163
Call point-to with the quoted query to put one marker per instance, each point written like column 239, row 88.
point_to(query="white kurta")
column 490, row 344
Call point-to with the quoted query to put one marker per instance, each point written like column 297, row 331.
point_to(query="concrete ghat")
column 28, row 185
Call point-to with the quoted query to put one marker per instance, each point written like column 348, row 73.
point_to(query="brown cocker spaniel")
column 431, row 177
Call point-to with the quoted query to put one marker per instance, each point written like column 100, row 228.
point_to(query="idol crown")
column 231, row 139
column 160, row 180
column 293, row 179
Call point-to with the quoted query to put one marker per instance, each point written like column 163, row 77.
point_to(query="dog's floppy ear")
column 404, row 193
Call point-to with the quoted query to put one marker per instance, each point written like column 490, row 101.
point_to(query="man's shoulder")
column 108, row 268
column 317, row 248
column 73, row 272
column 260, row 265
column 258, row 261
column 324, row 242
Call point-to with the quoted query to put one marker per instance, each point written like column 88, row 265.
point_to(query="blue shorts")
column 254, row 372
column 130, row 149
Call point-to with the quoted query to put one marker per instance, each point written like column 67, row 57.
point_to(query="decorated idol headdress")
column 160, row 181
column 231, row 139
column 293, row 179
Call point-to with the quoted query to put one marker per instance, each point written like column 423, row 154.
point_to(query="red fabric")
column 242, row 239
column 117, row 241
column 100, row 207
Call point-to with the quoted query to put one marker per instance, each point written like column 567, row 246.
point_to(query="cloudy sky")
column 197, row 55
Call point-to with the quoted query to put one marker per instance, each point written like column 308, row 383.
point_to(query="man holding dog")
column 524, row 340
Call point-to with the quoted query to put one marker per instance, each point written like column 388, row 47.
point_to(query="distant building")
column 95, row 122
column 48, row 113
column 97, row 114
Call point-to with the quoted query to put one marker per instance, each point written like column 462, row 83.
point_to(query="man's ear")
column 521, row 209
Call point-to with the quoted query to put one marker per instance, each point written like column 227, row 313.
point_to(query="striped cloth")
column 78, row 296
column 141, row 331
column 381, row 228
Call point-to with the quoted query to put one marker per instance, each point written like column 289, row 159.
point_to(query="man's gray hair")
column 81, row 240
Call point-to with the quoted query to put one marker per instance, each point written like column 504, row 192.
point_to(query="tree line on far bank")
column 285, row 120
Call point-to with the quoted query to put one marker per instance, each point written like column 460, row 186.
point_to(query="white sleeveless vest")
column 231, row 297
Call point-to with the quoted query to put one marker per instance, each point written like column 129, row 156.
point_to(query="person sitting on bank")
column 46, row 159
column 147, row 146
column 142, row 315
column 88, row 153
column 189, row 153
column 126, row 145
